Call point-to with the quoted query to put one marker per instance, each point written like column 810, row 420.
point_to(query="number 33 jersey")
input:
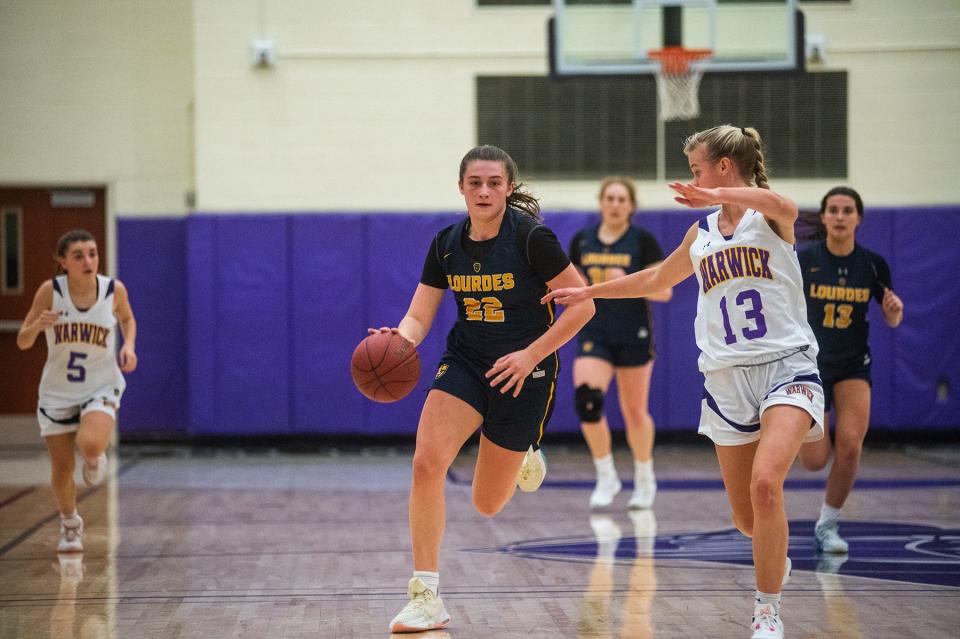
column 81, row 349
column 751, row 300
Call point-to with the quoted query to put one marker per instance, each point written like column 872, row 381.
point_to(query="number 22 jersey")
column 751, row 300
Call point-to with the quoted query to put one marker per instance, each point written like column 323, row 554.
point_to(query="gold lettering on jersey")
column 80, row 332
column 839, row 293
column 606, row 259
column 480, row 283
column 733, row 262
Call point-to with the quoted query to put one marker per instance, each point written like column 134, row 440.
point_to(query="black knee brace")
column 589, row 403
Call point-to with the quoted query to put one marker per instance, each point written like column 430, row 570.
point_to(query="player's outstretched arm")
column 777, row 208
column 650, row 281
column 419, row 318
column 38, row 318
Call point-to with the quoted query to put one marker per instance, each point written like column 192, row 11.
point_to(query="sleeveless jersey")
column 751, row 299
column 616, row 321
column 81, row 348
column 838, row 290
column 497, row 296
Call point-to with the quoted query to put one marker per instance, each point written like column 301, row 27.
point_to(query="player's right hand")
column 387, row 329
column 567, row 296
column 47, row 319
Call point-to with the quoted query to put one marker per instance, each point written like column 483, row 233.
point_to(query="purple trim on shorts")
column 66, row 422
column 743, row 428
column 813, row 378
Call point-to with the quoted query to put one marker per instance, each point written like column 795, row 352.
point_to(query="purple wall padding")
column 247, row 322
column 151, row 264
column 925, row 265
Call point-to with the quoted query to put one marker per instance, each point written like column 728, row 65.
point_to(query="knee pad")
column 589, row 403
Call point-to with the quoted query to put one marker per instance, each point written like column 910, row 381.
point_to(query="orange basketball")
column 385, row 367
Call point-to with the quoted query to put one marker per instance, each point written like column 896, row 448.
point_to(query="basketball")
column 385, row 367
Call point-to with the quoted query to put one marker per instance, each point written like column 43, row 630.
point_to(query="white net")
column 677, row 94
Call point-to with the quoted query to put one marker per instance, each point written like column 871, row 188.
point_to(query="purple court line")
column 717, row 484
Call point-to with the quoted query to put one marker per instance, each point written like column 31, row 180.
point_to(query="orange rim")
column 676, row 60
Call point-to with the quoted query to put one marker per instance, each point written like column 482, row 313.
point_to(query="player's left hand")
column 694, row 196
column 512, row 368
column 128, row 359
column 891, row 303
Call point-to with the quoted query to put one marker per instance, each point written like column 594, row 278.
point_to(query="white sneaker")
column 787, row 571
column 826, row 538
column 424, row 611
column 644, row 492
column 766, row 623
column 533, row 471
column 71, row 535
column 94, row 476
column 606, row 489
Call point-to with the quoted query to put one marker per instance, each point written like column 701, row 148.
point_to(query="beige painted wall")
column 371, row 104
column 99, row 91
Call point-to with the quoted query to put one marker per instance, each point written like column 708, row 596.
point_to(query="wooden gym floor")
column 224, row 543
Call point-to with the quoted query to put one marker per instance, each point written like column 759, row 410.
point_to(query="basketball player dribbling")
column 762, row 392
column 81, row 386
column 500, row 367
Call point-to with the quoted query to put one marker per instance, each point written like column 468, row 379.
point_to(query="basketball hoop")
column 678, row 82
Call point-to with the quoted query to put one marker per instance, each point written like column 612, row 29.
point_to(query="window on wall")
column 584, row 128
column 11, row 251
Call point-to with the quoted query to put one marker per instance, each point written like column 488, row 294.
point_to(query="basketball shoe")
column 71, row 534
column 533, row 470
column 766, row 622
column 424, row 611
column 606, row 489
column 94, row 475
column 826, row 538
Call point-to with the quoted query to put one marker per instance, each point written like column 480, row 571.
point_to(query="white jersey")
column 81, row 349
column 751, row 299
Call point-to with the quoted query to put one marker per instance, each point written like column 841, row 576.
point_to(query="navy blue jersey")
column 616, row 320
column 497, row 285
column 838, row 290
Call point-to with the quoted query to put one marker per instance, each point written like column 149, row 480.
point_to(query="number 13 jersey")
column 751, row 300
column 81, row 349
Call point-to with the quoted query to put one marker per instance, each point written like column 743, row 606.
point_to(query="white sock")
column 764, row 598
column 605, row 467
column 73, row 518
column 828, row 514
column 430, row 579
column 643, row 469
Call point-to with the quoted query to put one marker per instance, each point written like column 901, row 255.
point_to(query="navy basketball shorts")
column 833, row 372
column 515, row 423
column 636, row 353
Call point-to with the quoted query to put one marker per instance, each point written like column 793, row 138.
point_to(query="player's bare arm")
column 419, row 318
column 650, row 281
column 779, row 210
column 892, row 307
column 39, row 317
column 128, row 326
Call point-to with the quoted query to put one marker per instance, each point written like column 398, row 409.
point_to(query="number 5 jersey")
column 81, row 349
column 751, row 300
